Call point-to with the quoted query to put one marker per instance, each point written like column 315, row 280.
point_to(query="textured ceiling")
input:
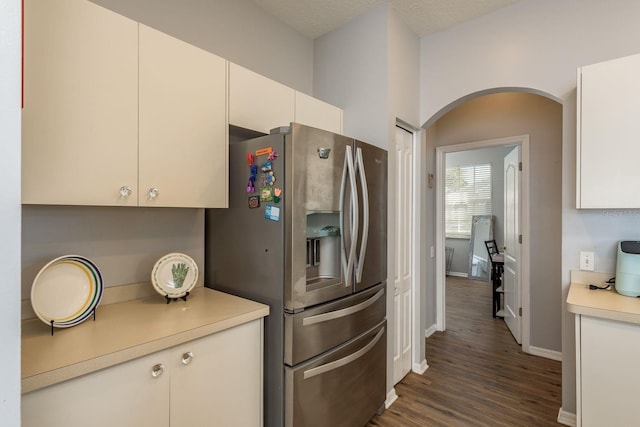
column 314, row 18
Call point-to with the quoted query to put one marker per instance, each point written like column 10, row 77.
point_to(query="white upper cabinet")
column 80, row 116
column 258, row 103
column 183, row 124
column 119, row 114
column 608, row 119
column 311, row 111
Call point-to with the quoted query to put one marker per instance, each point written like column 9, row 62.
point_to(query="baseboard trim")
column 543, row 352
column 391, row 397
column 567, row 418
column 456, row 274
column 430, row 331
column 420, row 368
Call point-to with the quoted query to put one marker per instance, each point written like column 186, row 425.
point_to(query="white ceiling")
column 314, row 18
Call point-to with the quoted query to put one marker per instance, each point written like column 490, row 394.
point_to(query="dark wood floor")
column 477, row 375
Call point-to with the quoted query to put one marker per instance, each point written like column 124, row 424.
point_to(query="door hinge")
column 520, row 311
column 520, row 238
column 520, row 166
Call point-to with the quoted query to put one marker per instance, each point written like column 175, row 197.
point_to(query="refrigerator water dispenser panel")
column 323, row 247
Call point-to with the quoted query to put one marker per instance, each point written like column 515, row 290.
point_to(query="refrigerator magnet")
column 272, row 213
column 277, row 192
column 266, row 194
column 254, row 202
column 263, row 151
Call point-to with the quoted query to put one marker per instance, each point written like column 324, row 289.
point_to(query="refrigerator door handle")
column 348, row 259
column 365, row 215
column 353, row 217
column 343, row 245
column 332, row 315
column 345, row 360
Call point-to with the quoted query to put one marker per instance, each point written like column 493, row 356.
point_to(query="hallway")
column 477, row 375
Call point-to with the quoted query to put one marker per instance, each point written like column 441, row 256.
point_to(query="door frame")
column 523, row 272
column 418, row 356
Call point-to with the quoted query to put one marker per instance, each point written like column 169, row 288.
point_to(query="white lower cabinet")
column 211, row 381
column 608, row 382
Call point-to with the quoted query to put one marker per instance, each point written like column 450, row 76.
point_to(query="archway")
column 491, row 115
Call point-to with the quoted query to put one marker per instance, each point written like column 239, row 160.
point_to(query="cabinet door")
column 221, row 377
column 608, row 152
column 126, row 395
column 610, row 384
column 183, row 124
column 80, row 116
column 314, row 112
column 258, row 103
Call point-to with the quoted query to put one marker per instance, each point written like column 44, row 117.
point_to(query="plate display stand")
column 93, row 313
column 170, row 299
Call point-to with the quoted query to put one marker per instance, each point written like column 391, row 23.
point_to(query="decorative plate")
column 97, row 296
column 66, row 290
column 174, row 275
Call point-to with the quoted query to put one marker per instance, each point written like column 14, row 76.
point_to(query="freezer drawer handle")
column 311, row 320
column 345, row 360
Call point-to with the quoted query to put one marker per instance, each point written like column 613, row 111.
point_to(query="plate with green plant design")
column 174, row 275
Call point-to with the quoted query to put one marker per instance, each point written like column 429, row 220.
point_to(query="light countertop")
column 606, row 304
column 125, row 331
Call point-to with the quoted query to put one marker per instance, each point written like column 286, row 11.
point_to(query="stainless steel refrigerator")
column 305, row 233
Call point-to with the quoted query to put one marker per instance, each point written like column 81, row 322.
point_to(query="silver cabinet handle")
column 125, row 191
column 187, row 358
column 157, row 370
column 153, row 193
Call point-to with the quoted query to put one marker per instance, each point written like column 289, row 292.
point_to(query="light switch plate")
column 587, row 260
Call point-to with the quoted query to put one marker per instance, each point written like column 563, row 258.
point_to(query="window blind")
column 467, row 193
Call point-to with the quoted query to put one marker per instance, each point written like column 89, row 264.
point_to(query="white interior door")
column 403, row 254
column 511, row 276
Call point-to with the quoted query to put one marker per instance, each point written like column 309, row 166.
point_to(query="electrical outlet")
column 587, row 260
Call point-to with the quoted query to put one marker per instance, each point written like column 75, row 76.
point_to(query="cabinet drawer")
column 321, row 328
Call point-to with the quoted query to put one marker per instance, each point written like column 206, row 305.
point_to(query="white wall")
column 237, row 30
column 350, row 71
column 539, row 44
column 10, row 213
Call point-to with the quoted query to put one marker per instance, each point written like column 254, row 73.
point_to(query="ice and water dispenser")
column 323, row 246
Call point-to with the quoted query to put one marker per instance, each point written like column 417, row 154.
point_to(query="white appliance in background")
column 628, row 268
column 305, row 233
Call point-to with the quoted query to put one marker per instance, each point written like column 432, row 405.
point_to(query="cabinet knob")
column 153, row 192
column 157, row 370
column 125, row 191
column 187, row 358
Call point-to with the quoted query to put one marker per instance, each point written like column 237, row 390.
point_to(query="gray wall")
column 538, row 44
column 124, row 243
column 510, row 114
column 495, row 157
column 237, row 30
